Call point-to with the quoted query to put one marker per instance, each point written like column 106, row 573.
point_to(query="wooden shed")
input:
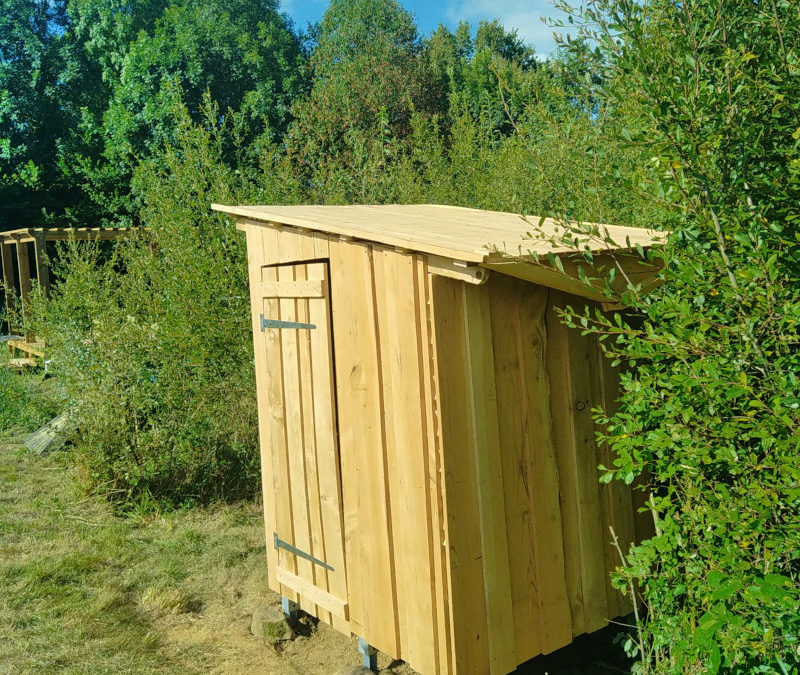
column 428, row 453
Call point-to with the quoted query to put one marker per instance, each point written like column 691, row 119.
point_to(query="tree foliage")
column 368, row 78
column 683, row 116
column 31, row 121
column 242, row 53
column 710, row 408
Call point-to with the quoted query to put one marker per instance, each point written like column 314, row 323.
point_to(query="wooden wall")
column 476, row 532
column 517, row 389
column 394, row 530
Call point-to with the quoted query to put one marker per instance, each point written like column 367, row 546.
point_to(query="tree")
column 480, row 73
column 367, row 78
column 507, row 44
column 31, row 119
column 242, row 52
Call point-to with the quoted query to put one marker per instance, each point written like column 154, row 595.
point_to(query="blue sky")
column 524, row 15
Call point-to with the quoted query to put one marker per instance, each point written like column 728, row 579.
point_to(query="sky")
column 524, row 15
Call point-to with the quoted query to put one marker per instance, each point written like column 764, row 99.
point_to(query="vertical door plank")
column 485, row 442
column 367, row 517
column 327, row 453
column 469, row 631
column 316, row 538
column 293, row 412
column 281, row 489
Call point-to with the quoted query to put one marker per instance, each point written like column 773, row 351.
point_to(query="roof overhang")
column 460, row 242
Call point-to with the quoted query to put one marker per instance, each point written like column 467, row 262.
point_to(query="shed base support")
column 290, row 609
column 369, row 654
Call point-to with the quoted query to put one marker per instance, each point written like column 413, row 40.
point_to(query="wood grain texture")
column 472, row 235
column 583, row 376
column 561, row 407
column 329, row 602
column 42, row 264
column 467, row 606
column 367, row 518
column 24, row 272
column 268, row 441
column 435, row 473
column 406, row 410
column 542, row 616
column 491, row 501
column 435, row 447
column 293, row 289
column 9, row 283
column 296, row 439
column 329, row 476
column 296, row 372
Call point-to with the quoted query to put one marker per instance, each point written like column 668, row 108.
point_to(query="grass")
column 27, row 400
column 86, row 590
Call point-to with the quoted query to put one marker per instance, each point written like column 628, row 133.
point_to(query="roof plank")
column 471, row 235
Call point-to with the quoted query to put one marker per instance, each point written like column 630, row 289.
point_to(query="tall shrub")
column 152, row 339
column 710, row 407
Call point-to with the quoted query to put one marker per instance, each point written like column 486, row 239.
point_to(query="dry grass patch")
column 83, row 590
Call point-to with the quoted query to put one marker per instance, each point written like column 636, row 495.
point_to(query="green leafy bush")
column 710, row 407
column 151, row 337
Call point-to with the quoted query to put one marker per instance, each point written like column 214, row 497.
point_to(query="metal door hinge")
column 277, row 323
column 286, row 546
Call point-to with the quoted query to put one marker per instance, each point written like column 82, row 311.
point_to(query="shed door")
column 304, row 444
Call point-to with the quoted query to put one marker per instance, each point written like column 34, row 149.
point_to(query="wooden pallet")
column 19, row 364
column 30, row 348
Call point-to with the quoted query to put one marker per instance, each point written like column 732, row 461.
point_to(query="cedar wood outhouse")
column 427, row 446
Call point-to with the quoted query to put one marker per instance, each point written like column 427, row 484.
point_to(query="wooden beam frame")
column 8, row 278
column 42, row 264
column 637, row 270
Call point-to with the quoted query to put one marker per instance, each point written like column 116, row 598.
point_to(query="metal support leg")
column 369, row 655
column 290, row 609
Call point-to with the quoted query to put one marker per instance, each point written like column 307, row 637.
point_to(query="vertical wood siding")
column 475, row 530
column 545, row 380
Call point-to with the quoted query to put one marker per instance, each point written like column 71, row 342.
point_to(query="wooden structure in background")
column 23, row 257
column 428, row 453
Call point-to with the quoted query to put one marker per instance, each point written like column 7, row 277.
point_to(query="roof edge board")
column 267, row 219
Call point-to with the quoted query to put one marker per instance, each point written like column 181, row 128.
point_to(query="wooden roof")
column 470, row 235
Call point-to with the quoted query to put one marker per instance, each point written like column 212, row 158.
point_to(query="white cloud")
column 524, row 15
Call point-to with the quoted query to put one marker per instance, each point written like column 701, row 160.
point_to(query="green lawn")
column 85, row 590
